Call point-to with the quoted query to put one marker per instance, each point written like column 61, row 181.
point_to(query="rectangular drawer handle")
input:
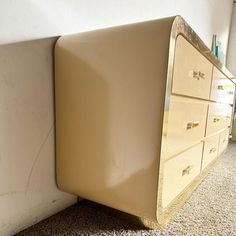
column 198, row 75
column 212, row 150
column 186, row 171
column 220, row 87
column 230, row 92
column 193, row 124
column 216, row 120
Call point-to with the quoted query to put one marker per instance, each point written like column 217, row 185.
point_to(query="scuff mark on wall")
column 37, row 156
column 11, row 193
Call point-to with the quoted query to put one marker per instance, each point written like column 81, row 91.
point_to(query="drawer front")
column 192, row 71
column 179, row 172
column 219, row 117
column 184, row 126
column 210, row 150
column 224, row 140
column 222, row 88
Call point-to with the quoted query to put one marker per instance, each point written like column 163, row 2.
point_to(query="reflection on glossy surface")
column 210, row 150
column 185, row 124
column 219, row 117
column 192, row 71
column 224, row 140
column 179, row 172
column 222, row 88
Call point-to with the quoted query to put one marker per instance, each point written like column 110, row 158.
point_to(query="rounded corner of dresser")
column 60, row 184
column 177, row 18
column 160, row 220
column 58, row 41
column 58, row 45
column 58, row 179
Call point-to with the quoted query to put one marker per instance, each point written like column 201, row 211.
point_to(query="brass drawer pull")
column 212, row 150
column 198, row 75
column 216, row 120
column 193, row 124
column 220, row 87
column 186, row 171
column 230, row 92
column 224, row 140
column 202, row 75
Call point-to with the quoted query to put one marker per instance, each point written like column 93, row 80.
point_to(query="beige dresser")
column 142, row 113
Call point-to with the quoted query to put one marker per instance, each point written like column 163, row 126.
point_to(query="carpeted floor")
column 211, row 210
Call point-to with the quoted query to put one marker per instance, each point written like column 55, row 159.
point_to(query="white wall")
column 29, row 19
column 231, row 59
column 28, row 191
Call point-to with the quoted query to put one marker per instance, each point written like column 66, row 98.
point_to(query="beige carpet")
column 211, row 210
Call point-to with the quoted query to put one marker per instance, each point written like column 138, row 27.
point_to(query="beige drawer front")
column 222, row 88
column 219, row 117
column 192, row 71
column 210, row 150
column 185, row 124
column 224, row 140
column 179, row 172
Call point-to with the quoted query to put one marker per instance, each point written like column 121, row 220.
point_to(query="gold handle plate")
column 193, row 124
column 220, row 87
column 186, row 171
column 198, row 75
column 216, row 119
column 224, row 140
column 212, row 150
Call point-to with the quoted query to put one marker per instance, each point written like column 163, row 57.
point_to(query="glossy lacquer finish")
column 222, row 88
column 133, row 115
column 186, row 124
column 179, row 172
column 224, row 140
column 210, row 150
column 219, row 117
column 109, row 100
column 192, row 71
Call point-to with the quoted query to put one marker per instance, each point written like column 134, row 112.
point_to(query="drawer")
column 192, row 71
column 219, row 117
column 179, row 172
column 222, row 88
column 224, row 140
column 185, row 124
column 210, row 150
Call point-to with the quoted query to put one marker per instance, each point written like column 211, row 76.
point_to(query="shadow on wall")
column 28, row 191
